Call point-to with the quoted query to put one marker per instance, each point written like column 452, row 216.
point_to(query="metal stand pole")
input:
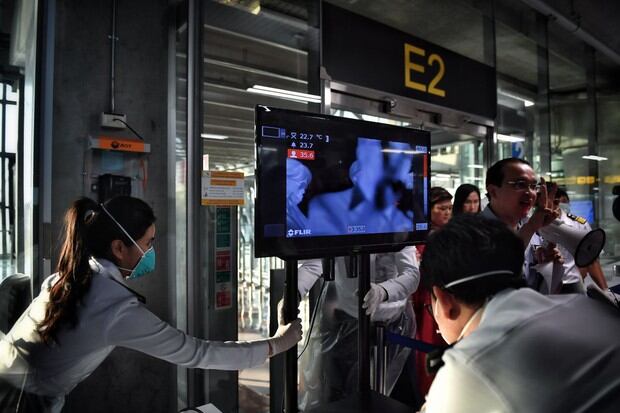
column 380, row 360
column 363, row 355
column 290, row 360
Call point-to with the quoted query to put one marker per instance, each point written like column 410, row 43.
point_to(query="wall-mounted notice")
column 222, row 188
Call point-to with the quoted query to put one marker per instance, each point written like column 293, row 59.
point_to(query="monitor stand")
column 365, row 400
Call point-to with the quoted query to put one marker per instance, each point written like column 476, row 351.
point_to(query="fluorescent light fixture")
column 509, row 138
column 284, row 94
column 475, row 166
column 443, row 176
column 527, row 103
column 213, row 136
column 594, row 157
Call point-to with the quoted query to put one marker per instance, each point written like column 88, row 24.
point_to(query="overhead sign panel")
column 364, row 52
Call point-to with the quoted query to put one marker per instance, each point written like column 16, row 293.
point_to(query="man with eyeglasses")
column 513, row 191
column 510, row 348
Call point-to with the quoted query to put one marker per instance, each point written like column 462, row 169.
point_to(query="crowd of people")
column 508, row 309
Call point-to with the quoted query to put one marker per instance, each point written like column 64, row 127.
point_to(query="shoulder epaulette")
column 581, row 220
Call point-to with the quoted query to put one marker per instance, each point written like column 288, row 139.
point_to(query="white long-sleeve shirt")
column 400, row 278
column 110, row 315
column 533, row 353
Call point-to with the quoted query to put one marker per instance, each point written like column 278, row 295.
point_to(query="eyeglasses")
column 522, row 185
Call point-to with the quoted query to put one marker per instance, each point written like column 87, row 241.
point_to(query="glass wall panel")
column 609, row 176
column 248, row 47
column 9, row 119
column 516, row 54
column 178, row 157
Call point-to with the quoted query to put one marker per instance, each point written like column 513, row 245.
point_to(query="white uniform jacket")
column 110, row 315
column 400, row 278
column 533, row 353
column 571, row 272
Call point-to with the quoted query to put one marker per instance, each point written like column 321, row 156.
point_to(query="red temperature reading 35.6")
column 304, row 154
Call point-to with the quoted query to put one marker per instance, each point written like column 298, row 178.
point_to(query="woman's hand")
column 285, row 337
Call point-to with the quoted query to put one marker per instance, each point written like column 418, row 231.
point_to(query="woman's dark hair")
column 460, row 196
column 438, row 194
column 468, row 245
column 88, row 232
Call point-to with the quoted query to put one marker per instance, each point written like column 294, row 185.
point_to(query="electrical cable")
column 130, row 128
column 312, row 318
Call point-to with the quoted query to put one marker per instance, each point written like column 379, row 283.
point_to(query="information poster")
column 222, row 188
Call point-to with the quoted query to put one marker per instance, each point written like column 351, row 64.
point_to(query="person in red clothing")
column 441, row 212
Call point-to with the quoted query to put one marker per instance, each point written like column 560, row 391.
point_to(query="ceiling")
column 242, row 49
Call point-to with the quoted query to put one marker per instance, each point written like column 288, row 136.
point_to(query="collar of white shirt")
column 106, row 268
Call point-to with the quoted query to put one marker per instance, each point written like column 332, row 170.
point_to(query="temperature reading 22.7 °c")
column 308, row 137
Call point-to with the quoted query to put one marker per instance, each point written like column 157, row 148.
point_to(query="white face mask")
column 466, row 280
column 467, row 324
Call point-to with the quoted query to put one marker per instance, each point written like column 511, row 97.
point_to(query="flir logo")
column 356, row 229
column 298, row 232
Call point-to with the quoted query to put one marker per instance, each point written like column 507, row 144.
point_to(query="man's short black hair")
column 495, row 174
column 469, row 245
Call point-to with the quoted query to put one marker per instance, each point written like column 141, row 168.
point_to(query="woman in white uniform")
column 86, row 309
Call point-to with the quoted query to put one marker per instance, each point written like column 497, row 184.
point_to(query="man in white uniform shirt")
column 572, row 282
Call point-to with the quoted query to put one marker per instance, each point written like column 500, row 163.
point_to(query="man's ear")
column 118, row 249
column 492, row 190
column 448, row 305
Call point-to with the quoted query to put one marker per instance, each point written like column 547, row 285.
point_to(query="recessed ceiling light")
column 594, row 158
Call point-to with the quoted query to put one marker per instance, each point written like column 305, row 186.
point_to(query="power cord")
column 312, row 318
column 130, row 128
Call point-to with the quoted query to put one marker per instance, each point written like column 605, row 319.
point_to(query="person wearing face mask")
column 87, row 308
column 298, row 177
column 512, row 349
column 572, row 282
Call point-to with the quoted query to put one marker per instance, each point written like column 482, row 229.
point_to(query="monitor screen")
column 583, row 208
column 330, row 186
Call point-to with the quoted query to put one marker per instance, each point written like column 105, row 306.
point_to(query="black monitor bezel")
column 331, row 246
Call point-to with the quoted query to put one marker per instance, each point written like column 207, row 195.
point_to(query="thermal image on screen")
column 322, row 176
column 375, row 199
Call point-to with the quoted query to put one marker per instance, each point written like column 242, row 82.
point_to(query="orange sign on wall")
column 118, row 144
